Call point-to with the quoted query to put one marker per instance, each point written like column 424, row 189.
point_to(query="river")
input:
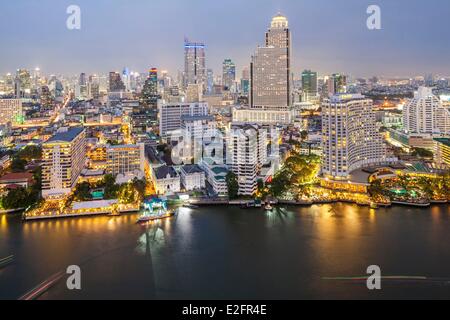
column 229, row 253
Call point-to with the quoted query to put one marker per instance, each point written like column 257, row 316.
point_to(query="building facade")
column 270, row 69
column 125, row 159
column 425, row 114
column 10, row 111
column 350, row 137
column 195, row 64
column 63, row 159
column 170, row 115
column 246, row 154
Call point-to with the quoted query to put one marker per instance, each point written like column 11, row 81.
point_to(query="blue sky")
column 328, row 35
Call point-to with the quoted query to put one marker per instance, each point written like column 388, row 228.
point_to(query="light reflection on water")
column 224, row 252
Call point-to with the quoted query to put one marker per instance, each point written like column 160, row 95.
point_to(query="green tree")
column 83, row 192
column 30, row 152
column 111, row 188
column 18, row 164
column 232, row 185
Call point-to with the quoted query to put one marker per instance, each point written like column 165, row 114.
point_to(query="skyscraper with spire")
column 270, row 69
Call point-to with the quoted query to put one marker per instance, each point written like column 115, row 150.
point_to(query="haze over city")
column 328, row 36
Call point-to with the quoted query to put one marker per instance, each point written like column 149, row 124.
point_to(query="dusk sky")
column 328, row 35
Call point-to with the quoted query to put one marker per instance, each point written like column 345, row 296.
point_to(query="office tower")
column 63, row 157
column 11, row 111
column 170, row 115
column 425, row 114
column 350, row 138
column 429, row 80
column 309, row 84
column 194, row 64
column 93, row 90
column 337, row 83
column 126, row 78
column 36, row 77
column 46, row 99
column 270, row 69
column 149, row 92
column 246, row 154
column 125, row 159
column 145, row 116
column 245, row 81
column 22, row 84
column 228, row 74
column 210, row 81
column 115, row 82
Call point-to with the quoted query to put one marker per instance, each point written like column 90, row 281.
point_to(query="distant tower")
column 229, row 74
column 194, row 64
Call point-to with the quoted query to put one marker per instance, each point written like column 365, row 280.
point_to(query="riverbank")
column 224, row 202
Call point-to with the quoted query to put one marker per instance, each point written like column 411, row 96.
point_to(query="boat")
column 145, row 218
column 268, row 207
column 373, row 205
column 155, row 209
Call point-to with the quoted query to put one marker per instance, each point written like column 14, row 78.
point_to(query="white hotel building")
column 246, row 154
column 350, row 137
column 426, row 114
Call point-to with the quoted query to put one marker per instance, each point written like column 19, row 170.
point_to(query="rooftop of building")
column 165, row 171
column 123, row 146
column 20, row 176
column 444, row 141
column 192, row 168
column 66, row 136
column 196, row 118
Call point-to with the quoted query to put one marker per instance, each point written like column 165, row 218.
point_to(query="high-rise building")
column 350, row 137
column 309, row 84
column 270, row 69
column 210, row 81
column 115, row 82
column 194, row 64
column 63, row 157
column 46, row 98
column 246, row 154
column 125, row 159
column 170, row 115
column 149, row 92
column 11, row 111
column 425, row 114
column 337, row 83
column 228, row 74
column 22, row 84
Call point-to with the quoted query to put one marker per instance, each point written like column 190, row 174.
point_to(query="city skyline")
column 391, row 51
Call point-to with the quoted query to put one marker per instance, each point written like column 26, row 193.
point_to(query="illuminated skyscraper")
column 115, row 82
column 194, row 64
column 229, row 74
column 270, row 68
column 309, row 84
